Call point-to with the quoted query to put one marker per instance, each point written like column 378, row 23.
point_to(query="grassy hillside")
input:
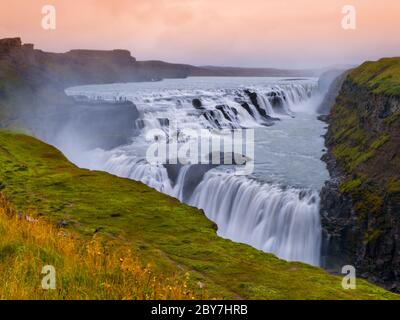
column 365, row 134
column 381, row 76
column 91, row 269
column 171, row 236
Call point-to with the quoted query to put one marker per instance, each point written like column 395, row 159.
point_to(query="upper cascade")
column 216, row 108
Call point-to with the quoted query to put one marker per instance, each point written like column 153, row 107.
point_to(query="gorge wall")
column 32, row 84
column 32, row 96
column 360, row 206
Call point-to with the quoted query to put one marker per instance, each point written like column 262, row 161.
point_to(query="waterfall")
column 283, row 222
column 129, row 167
column 222, row 108
column 178, row 189
column 266, row 105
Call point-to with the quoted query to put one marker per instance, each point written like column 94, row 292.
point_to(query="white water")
column 172, row 99
column 276, row 209
column 282, row 222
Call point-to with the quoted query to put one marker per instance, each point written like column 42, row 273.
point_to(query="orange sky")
column 282, row 33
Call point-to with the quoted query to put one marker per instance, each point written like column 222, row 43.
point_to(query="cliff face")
column 82, row 66
column 360, row 206
column 32, row 95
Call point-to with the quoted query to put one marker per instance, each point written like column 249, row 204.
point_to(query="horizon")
column 343, row 66
column 301, row 34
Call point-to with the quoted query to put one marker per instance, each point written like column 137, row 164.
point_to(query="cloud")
column 236, row 32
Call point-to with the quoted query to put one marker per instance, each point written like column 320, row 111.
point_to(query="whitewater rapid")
column 283, row 222
column 275, row 209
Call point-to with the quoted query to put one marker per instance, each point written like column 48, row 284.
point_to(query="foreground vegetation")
column 174, row 238
column 91, row 269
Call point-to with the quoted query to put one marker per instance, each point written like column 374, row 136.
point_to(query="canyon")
column 358, row 206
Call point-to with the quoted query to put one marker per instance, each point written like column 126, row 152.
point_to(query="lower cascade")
column 283, row 222
column 265, row 216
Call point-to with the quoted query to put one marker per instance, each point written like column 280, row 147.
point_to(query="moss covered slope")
column 381, row 77
column 172, row 236
column 364, row 142
column 364, row 134
column 85, row 268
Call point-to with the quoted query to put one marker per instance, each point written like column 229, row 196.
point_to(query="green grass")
column 393, row 186
column 94, row 268
column 170, row 235
column 350, row 185
column 354, row 146
column 381, row 76
column 354, row 150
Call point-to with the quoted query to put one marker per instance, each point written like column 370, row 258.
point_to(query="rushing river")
column 276, row 207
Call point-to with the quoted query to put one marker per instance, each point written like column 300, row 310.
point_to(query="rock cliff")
column 360, row 206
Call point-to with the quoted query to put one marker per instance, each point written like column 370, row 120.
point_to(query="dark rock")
column 246, row 106
column 212, row 117
column 276, row 99
column 8, row 44
column 197, row 104
column 140, row 123
column 115, row 215
column 224, row 110
column 261, row 111
column 366, row 237
column 164, row 122
column 323, row 118
column 254, row 101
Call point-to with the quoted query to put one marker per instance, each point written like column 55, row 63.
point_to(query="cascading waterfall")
column 221, row 108
column 124, row 166
column 178, row 189
column 266, row 105
column 283, row 221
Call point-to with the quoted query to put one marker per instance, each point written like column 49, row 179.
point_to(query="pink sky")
column 281, row 33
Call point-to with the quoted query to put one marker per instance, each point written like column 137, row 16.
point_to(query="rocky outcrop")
column 268, row 120
column 360, row 206
column 8, row 44
column 197, row 104
column 32, row 95
column 84, row 66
